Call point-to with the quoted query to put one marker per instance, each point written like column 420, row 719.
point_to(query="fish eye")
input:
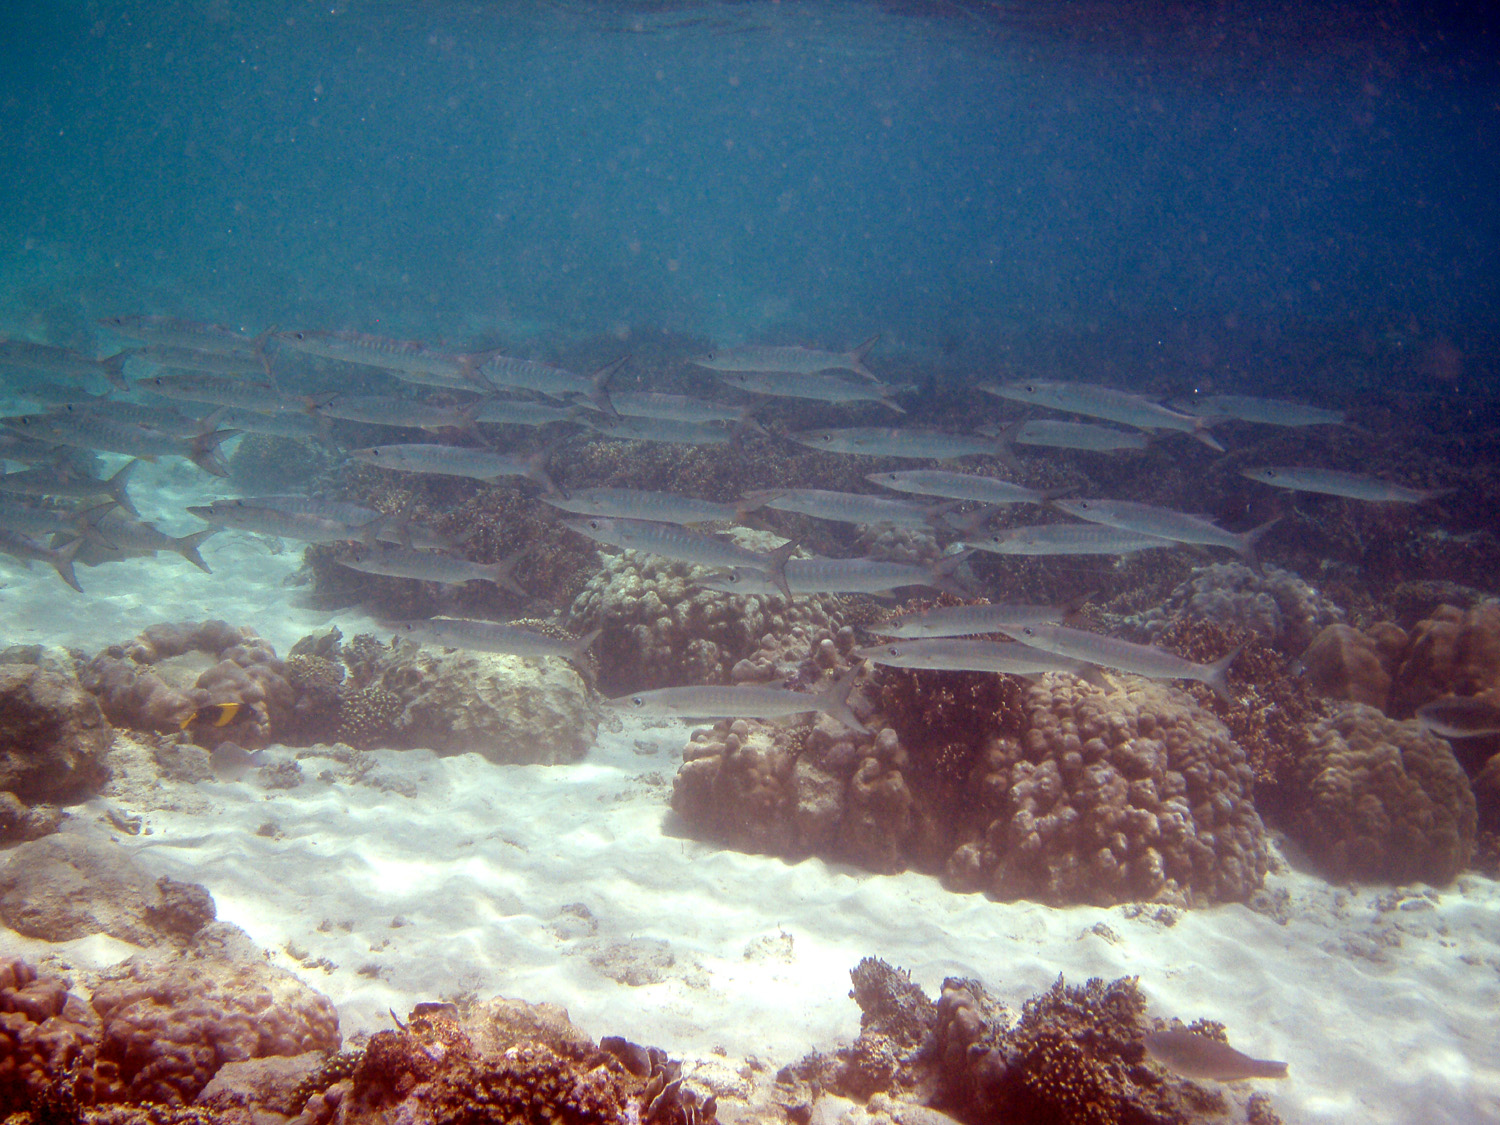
column 637, row 701
column 1270, row 473
column 894, row 650
column 1030, row 388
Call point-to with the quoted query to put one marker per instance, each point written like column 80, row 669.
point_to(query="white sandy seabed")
column 446, row 877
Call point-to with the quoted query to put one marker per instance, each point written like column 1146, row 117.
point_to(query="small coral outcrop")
column 1383, row 800
column 53, row 736
column 1276, row 605
column 1451, row 652
column 1344, row 663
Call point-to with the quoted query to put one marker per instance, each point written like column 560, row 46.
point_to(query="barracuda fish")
column 233, row 364
column 55, row 481
column 174, row 332
column 1266, row 411
column 550, row 380
column 456, row 461
column 216, row 391
column 402, row 413
column 61, row 363
column 821, row 388
column 1067, row 539
column 495, row 636
column 124, row 537
column 661, row 507
column 26, row 520
column 503, row 412
column 408, row 361
column 425, row 566
column 1197, row 1056
column 60, row 559
column 293, row 427
column 86, row 431
column 711, row 701
column 962, row 486
column 841, row 576
column 629, row 428
column 55, row 394
column 1332, row 482
column 1076, row 435
column 793, row 360
column 394, row 527
column 917, row 445
column 966, row 620
column 1126, row 656
column 1164, row 523
column 673, row 542
column 1105, row 402
column 949, row 654
column 309, row 527
column 846, row 507
column 1460, row 717
column 677, row 408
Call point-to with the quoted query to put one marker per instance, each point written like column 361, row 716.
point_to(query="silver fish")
column 132, row 536
column 494, row 636
column 794, row 359
column 846, row 507
column 175, row 332
column 402, row 413
column 218, row 391
column 61, row 363
column 550, row 380
column 1086, row 436
column 662, row 507
column 630, row 428
column 406, row 360
column 711, row 701
column 1164, row 523
column 455, row 461
column 1333, row 482
column 1197, row 1056
column 390, row 527
column 1266, row 411
column 917, row 445
column 967, row 620
column 56, row 481
column 230, row 761
column 950, row 654
column 87, row 431
column 426, row 566
column 1126, row 656
column 248, row 515
column 509, row 412
column 820, row 388
column 677, row 408
column 1460, row 717
column 60, row 559
column 1105, row 402
column 240, row 366
column 1066, row 539
column 674, row 542
column 960, row 486
column 839, row 576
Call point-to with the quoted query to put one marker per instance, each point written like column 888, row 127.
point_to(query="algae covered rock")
column 53, row 735
column 508, row 708
column 1383, row 800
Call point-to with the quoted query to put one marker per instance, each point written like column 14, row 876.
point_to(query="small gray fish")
column 846, row 507
column 1085, row 436
column 175, row 332
column 677, row 408
column 1460, row 717
column 55, row 481
column 427, row 566
column 230, row 761
column 1164, row 523
column 951, row 654
column 627, row 427
column 1265, row 411
column 916, row 445
column 674, row 542
column 960, row 486
column 508, row 412
column 794, row 359
column 1068, row 539
column 712, row 701
column 61, row 363
column 308, row 527
column 25, row 548
column 218, row 391
column 968, row 620
column 135, row 538
column 634, row 504
column 840, row 576
column 455, row 461
column 1333, row 482
column 406, row 360
column 1197, row 1056
column 1127, row 656
column 1112, row 405
column 819, row 388
column 399, row 413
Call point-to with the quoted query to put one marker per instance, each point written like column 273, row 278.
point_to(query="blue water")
column 953, row 176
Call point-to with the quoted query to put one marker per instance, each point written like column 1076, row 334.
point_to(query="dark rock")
column 53, row 737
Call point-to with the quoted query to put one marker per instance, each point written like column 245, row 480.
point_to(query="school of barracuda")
column 199, row 385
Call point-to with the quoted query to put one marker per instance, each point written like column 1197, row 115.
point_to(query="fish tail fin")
column 833, row 701
column 857, row 359
column 115, row 487
column 536, row 469
column 204, row 452
column 754, row 501
column 1249, row 539
column 113, row 369
column 62, row 562
column 1218, row 674
column 187, row 546
column 600, row 379
column 88, row 520
column 1005, row 445
column 578, row 655
column 1201, row 432
column 501, row 574
column 776, row 567
column 945, row 576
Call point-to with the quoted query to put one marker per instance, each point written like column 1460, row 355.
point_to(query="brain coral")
column 1453, row 652
column 45, row 1032
column 1277, row 606
column 1139, row 795
column 661, row 629
column 1384, row 800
